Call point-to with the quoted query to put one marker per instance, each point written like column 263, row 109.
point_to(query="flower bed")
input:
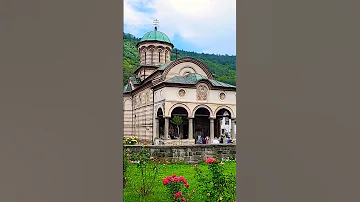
column 177, row 182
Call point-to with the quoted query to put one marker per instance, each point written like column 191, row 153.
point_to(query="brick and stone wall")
column 188, row 153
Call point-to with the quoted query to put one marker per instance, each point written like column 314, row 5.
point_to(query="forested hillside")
column 223, row 66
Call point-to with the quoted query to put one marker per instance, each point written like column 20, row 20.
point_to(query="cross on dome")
column 156, row 22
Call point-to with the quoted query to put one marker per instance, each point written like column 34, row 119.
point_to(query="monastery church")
column 161, row 89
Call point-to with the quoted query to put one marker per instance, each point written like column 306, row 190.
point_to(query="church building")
column 161, row 89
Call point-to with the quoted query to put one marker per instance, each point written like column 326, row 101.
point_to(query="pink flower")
column 210, row 160
column 185, row 182
column 127, row 155
column 165, row 182
column 152, row 158
column 182, row 199
column 194, row 164
column 173, row 175
column 177, row 194
column 176, row 179
column 131, row 161
column 187, row 185
column 168, row 178
column 181, row 178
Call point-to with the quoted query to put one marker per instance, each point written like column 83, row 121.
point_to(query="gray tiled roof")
column 194, row 78
column 162, row 67
column 127, row 88
column 135, row 80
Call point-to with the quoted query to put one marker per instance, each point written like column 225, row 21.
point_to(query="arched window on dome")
column 145, row 58
column 159, row 57
column 166, row 54
column 152, row 56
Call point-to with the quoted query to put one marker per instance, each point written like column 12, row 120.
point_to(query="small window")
column 226, row 120
column 159, row 56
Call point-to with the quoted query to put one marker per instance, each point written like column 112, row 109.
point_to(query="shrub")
column 133, row 140
column 214, row 185
column 125, row 166
column 178, row 188
column 148, row 169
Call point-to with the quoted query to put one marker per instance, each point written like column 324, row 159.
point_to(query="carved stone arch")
column 187, row 69
column 143, row 49
column 232, row 114
column 160, row 48
column 188, row 59
column 202, row 106
column 179, row 105
column 157, row 107
column 126, row 100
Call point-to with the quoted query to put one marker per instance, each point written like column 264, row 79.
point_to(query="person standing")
column 215, row 141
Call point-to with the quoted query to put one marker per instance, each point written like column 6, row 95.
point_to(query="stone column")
column 211, row 128
column 190, row 137
column 166, row 128
column 157, row 128
column 232, row 128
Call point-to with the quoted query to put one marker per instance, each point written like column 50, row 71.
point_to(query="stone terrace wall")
column 188, row 153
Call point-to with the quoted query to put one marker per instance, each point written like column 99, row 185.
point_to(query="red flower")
column 173, row 175
column 185, row 182
column 177, row 194
column 168, row 178
column 181, row 178
column 176, row 179
column 127, row 155
column 182, row 199
column 187, row 185
column 210, row 160
column 165, row 182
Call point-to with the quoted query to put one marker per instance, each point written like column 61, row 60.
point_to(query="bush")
column 148, row 169
column 133, row 140
column 178, row 188
column 214, row 185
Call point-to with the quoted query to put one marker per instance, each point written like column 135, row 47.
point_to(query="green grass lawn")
column 159, row 191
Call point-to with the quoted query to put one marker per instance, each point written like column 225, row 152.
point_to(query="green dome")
column 155, row 36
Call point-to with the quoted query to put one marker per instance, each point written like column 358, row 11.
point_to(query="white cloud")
column 207, row 24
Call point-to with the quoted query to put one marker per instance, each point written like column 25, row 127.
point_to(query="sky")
column 203, row 26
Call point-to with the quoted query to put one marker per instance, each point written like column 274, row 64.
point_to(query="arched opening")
column 161, row 123
column 223, row 123
column 152, row 57
column 183, row 131
column 145, row 58
column 201, row 123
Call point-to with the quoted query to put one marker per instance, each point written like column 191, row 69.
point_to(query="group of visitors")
column 221, row 140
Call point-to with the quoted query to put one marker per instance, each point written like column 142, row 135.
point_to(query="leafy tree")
column 177, row 121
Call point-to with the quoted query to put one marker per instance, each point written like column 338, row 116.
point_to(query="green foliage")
column 148, row 169
column 215, row 185
column 177, row 120
column 223, row 66
column 159, row 192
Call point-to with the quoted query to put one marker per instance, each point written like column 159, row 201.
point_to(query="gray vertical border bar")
column 298, row 101
column 61, row 100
